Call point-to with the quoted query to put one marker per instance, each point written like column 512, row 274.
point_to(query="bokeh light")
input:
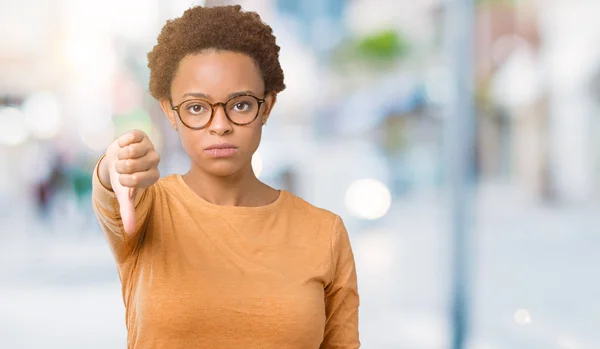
column 368, row 199
column 42, row 114
column 98, row 138
column 522, row 317
column 13, row 129
column 257, row 163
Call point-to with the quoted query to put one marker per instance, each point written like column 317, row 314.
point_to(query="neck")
column 239, row 189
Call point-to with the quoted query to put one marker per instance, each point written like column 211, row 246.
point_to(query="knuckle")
column 135, row 179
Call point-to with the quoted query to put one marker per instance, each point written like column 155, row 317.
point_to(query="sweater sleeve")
column 341, row 294
column 106, row 208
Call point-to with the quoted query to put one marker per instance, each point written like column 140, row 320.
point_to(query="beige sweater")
column 199, row 275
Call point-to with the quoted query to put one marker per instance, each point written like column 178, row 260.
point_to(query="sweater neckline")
column 240, row 210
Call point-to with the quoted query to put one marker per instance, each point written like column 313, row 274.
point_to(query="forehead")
column 217, row 74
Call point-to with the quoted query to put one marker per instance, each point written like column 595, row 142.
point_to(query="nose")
column 220, row 124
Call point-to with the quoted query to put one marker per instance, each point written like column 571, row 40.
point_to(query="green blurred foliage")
column 378, row 49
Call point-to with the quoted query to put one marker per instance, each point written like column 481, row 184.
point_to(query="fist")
column 135, row 160
column 132, row 164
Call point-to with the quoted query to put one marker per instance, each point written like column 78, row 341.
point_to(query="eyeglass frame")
column 212, row 110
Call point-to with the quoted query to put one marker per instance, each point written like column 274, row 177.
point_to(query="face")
column 214, row 77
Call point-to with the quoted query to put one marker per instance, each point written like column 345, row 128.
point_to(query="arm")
column 341, row 294
column 122, row 190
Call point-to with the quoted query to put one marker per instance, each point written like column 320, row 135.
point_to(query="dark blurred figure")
column 47, row 188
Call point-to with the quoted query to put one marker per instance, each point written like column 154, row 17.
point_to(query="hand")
column 131, row 164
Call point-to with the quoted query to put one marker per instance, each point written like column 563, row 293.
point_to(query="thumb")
column 126, row 198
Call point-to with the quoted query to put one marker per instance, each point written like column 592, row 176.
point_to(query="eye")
column 195, row 108
column 241, row 106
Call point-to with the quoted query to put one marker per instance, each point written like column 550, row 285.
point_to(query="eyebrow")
column 231, row 95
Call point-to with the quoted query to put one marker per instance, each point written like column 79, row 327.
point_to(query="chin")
column 222, row 168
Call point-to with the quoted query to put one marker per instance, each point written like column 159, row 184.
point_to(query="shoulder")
column 304, row 210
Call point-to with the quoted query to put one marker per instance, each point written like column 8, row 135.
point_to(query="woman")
column 215, row 258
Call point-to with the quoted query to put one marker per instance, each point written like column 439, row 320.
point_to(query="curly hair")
column 222, row 28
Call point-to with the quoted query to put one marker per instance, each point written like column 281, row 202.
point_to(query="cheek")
column 253, row 140
column 190, row 142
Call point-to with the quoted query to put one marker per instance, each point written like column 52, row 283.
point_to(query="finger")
column 134, row 151
column 131, row 137
column 127, row 210
column 131, row 166
column 140, row 179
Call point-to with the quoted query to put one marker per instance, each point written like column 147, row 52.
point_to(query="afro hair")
column 221, row 28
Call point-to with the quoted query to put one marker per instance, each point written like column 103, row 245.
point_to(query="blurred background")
column 458, row 140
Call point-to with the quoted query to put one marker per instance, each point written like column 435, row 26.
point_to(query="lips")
column 221, row 146
column 222, row 150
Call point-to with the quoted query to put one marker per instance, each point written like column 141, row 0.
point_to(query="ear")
column 270, row 100
column 171, row 114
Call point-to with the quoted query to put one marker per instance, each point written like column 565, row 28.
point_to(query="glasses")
column 198, row 113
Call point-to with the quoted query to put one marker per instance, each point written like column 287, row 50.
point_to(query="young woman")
column 215, row 258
